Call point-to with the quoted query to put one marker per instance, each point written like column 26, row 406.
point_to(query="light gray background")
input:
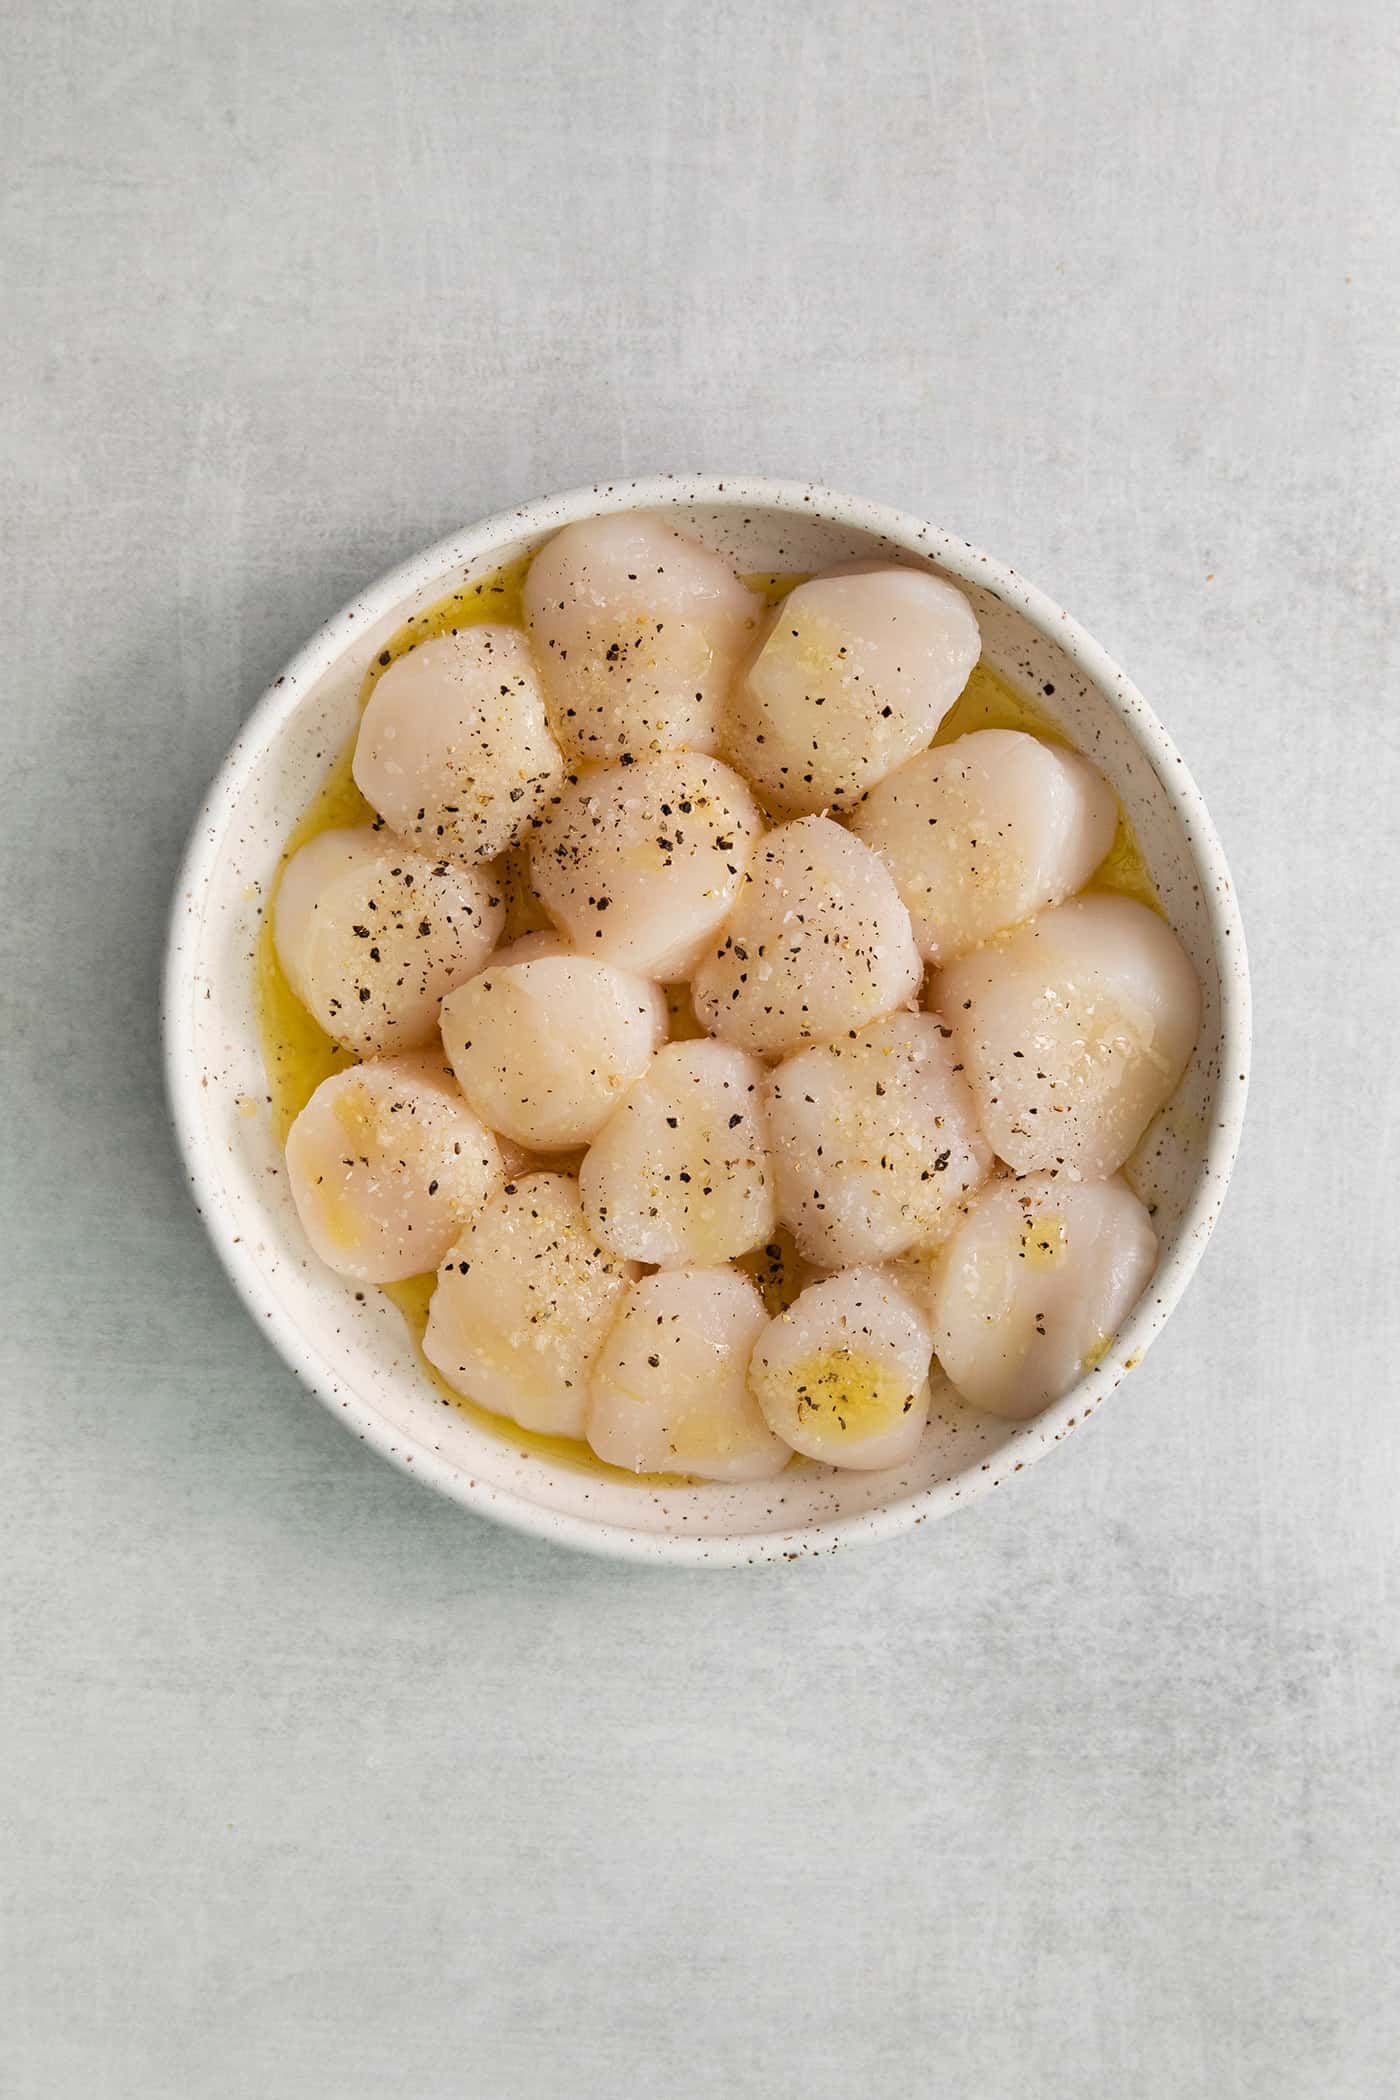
column 317, row 1786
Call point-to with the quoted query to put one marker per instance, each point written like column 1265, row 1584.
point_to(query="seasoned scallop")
column 842, row 1376
column 982, row 832
column 544, row 1044
column 856, row 671
column 523, row 1302
column 875, row 1142
column 386, row 1162
column 818, row 943
column 1034, row 1284
column 639, row 864
column 637, row 631
column 454, row 749
column 372, row 934
column 1074, row 1031
column 679, row 1174
column 669, row 1390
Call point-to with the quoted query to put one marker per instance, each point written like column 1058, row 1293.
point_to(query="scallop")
column 544, row 1044
column 638, row 631
column 875, row 1142
column 843, row 1375
column 386, row 1162
column 1074, row 1030
column 454, row 749
column 639, row 864
column 986, row 831
column 855, row 673
column 523, row 1302
column 1034, row 1284
column 669, row 1390
column 373, row 934
column 818, row 943
column 679, row 1174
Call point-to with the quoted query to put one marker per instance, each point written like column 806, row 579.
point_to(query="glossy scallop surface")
column 818, row 943
column 373, row 934
column 983, row 832
column 1074, row 1031
column 669, row 1388
column 1033, row 1285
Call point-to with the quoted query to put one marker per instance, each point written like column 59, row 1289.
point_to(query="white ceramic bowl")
column 357, row 1356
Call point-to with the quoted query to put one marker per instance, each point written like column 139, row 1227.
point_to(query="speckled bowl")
column 358, row 1356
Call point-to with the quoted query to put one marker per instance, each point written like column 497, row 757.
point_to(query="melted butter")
column 1044, row 1240
column 772, row 585
column 842, row 1395
column 1124, row 870
column 989, row 701
column 681, row 1023
column 298, row 1054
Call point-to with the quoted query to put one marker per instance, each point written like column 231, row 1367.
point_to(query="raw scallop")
column 679, row 1175
column 670, row 1385
column 980, row 833
column 818, row 943
column 373, row 934
column 454, row 749
column 639, row 864
column 544, row 1044
column 875, row 1142
column 386, row 1162
column 1034, row 1284
column 637, row 631
column 522, row 1304
column 842, row 1376
column 1074, row 1030
column 855, row 674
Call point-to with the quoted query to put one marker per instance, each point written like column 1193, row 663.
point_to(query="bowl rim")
column 959, row 558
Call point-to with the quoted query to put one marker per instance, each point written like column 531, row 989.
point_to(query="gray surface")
column 316, row 1786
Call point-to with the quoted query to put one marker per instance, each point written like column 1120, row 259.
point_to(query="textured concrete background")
column 316, row 1786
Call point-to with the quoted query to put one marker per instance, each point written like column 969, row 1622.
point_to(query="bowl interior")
column 354, row 1347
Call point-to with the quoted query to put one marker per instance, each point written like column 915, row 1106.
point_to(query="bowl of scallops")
column 707, row 1020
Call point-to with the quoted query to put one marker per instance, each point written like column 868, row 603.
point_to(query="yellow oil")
column 1044, row 1240
column 682, row 1026
column 298, row 1054
column 771, row 585
column 1124, row 870
column 842, row 1395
